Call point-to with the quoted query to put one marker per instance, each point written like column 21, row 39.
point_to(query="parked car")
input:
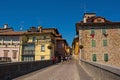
column 5, row 59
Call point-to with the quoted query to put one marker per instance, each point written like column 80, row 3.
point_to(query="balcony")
column 1, row 41
column 28, row 52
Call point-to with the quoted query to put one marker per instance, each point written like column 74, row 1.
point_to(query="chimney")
column 87, row 16
column 5, row 26
column 40, row 28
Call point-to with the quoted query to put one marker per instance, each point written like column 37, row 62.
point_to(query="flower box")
column 92, row 35
column 81, row 46
column 105, row 34
column 49, row 47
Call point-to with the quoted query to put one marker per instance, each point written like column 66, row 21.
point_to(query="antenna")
column 21, row 25
column 21, row 28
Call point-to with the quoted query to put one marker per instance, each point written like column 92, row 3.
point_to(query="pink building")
column 10, row 44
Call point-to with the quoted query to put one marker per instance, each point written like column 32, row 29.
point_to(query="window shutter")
column 94, row 58
column 92, row 31
column 104, row 42
column 106, row 57
column 93, row 43
column 104, row 31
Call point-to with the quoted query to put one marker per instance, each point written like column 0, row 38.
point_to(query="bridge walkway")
column 63, row 71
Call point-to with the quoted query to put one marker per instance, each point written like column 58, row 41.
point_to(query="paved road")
column 62, row 71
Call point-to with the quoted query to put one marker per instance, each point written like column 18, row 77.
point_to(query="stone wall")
column 9, row 71
column 112, row 48
column 101, row 71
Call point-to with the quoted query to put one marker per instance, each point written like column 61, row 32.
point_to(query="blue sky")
column 60, row 14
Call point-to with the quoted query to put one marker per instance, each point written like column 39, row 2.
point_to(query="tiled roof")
column 61, row 39
column 13, row 33
column 59, row 35
column 37, row 33
column 90, row 20
column 5, row 29
column 51, row 29
column 95, row 17
column 10, row 33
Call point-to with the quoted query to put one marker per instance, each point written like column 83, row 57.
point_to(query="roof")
column 89, row 13
column 107, row 24
column 37, row 33
column 5, row 29
column 91, row 22
column 33, row 29
column 55, row 29
column 11, row 33
column 59, row 35
column 61, row 39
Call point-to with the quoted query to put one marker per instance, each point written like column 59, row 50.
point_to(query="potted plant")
column 92, row 35
column 81, row 46
column 49, row 47
column 105, row 34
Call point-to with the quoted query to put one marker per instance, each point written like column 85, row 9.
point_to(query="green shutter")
column 104, row 42
column 94, row 58
column 104, row 31
column 92, row 31
column 93, row 43
column 106, row 57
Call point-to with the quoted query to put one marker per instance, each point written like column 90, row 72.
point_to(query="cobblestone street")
column 62, row 71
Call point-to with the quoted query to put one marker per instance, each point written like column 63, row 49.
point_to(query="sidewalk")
column 83, row 74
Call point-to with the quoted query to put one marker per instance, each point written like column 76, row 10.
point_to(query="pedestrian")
column 54, row 59
column 61, row 59
column 66, row 58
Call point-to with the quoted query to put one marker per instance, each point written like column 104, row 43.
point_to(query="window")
column 7, row 38
column 15, row 38
column 47, row 37
column 1, row 38
column 93, row 43
column 42, row 58
column 94, row 58
column 42, row 48
column 34, row 39
column 28, row 52
column 104, row 31
column 105, row 43
column 92, row 31
column 106, row 57
column 28, row 58
column 14, row 54
column 6, row 53
column 42, row 37
column 59, row 45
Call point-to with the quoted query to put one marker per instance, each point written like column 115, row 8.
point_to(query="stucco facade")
column 44, row 48
column 32, row 45
column 10, row 47
column 75, row 48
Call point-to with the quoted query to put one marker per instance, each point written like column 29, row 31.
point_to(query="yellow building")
column 34, row 44
column 44, row 48
column 75, row 48
column 37, row 45
column 68, row 50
